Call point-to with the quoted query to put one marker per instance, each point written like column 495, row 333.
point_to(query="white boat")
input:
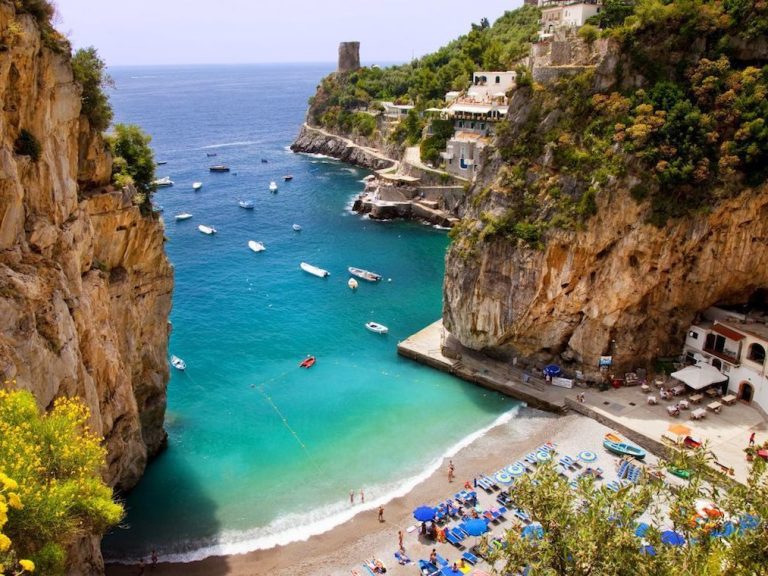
column 157, row 208
column 247, row 204
column 178, row 363
column 352, row 283
column 296, row 227
column 206, row 229
column 376, row 327
column 183, row 216
column 256, row 246
column 163, row 182
column 364, row 274
column 273, row 186
column 197, row 185
column 288, row 177
column 314, row 270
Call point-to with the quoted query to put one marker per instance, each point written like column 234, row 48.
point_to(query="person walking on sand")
column 752, row 439
column 451, row 470
column 400, row 540
column 351, row 496
column 141, row 567
column 154, row 557
column 381, row 513
column 362, row 496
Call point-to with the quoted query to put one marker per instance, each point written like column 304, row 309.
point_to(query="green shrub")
column 41, row 10
column 134, row 162
column 589, row 33
column 90, row 72
column 27, row 145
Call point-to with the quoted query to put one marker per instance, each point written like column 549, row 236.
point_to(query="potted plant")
column 750, row 451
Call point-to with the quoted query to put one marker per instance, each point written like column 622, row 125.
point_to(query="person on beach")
column 154, row 557
column 351, row 496
column 451, row 470
column 752, row 439
column 141, row 566
column 433, row 556
column 362, row 496
column 381, row 513
column 400, row 540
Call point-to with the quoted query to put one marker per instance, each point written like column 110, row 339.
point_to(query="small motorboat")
column 296, row 227
column 157, row 208
column 264, row 161
column 273, row 186
column 183, row 216
column 352, row 283
column 196, row 186
column 178, row 363
column 614, row 444
column 692, row 443
column 206, row 229
column 364, row 274
column 288, row 177
column 161, row 162
column 210, row 154
column 163, row 182
column 376, row 327
column 308, row 362
column 314, row 270
column 219, row 168
column 256, row 246
column 683, row 473
column 247, row 204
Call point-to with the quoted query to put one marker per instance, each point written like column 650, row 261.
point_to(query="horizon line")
column 291, row 63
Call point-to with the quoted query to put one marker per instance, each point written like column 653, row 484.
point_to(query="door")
column 746, row 392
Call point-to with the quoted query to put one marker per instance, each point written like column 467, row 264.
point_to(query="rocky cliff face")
column 85, row 286
column 316, row 141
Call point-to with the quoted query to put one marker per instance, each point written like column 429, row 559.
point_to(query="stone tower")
column 349, row 57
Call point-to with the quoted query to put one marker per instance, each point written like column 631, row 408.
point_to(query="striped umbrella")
column 587, row 456
column 503, row 477
column 516, row 469
column 543, row 456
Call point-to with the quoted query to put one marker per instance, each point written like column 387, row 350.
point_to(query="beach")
column 344, row 548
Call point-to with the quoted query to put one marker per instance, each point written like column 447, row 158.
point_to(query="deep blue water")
column 261, row 451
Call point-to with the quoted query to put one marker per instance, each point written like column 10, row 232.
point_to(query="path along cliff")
column 85, row 285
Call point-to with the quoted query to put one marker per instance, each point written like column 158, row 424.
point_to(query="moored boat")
column 296, row 227
column 376, row 327
column 314, row 270
column 364, row 274
column 308, row 362
column 178, row 363
column 206, row 229
column 288, row 177
column 247, row 204
column 197, row 185
column 183, row 216
column 352, row 283
column 273, row 186
column 256, row 246
column 614, row 444
column 210, row 154
column 163, row 182
column 219, row 168
column 161, row 162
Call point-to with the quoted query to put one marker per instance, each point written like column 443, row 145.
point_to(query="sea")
column 260, row 451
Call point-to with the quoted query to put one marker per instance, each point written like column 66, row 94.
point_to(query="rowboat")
column 247, row 204
column 256, row 246
column 296, row 227
column 183, row 216
column 178, row 363
column 287, row 177
column 308, row 362
column 364, row 274
column 197, row 185
column 680, row 472
column 314, row 270
column 219, row 168
column 376, row 327
column 206, row 229
column 273, row 186
column 614, row 444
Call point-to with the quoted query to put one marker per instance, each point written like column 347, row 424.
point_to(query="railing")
column 726, row 355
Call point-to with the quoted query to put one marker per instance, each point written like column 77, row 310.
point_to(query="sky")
column 142, row 32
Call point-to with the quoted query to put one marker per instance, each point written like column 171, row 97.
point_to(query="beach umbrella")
column 763, row 454
column 543, row 456
column 552, row 370
column 475, row 527
column 503, row 477
column 533, row 532
column 516, row 469
column 748, row 522
column 726, row 531
column 648, row 550
column 424, row 513
column 672, row 538
column 680, row 430
column 587, row 456
column 641, row 529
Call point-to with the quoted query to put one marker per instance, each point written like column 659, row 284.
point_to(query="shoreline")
column 344, row 547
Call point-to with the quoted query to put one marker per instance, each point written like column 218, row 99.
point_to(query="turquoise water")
column 260, row 451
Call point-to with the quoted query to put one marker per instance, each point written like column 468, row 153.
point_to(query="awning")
column 728, row 332
column 700, row 376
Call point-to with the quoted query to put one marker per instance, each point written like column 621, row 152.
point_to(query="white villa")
column 736, row 345
column 396, row 112
column 566, row 13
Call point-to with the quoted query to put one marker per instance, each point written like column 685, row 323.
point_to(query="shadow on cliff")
column 150, row 514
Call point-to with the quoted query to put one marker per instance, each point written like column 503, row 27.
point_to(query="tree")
column 588, row 529
column 51, row 490
column 134, row 161
column 90, row 72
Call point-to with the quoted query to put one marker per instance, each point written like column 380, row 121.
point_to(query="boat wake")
column 229, row 144
column 298, row 527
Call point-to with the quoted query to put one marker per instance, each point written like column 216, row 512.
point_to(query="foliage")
column 57, row 493
column 43, row 12
column 589, row 529
column 409, row 130
column 134, row 162
column 589, row 33
column 90, row 72
column 440, row 132
column 27, row 145
column 613, row 13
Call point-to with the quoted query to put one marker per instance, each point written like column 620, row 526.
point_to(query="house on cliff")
column 736, row 345
column 566, row 13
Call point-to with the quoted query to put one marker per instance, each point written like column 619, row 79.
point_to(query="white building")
column 396, row 111
column 736, row 345
column 491, row 86
column 570, row 13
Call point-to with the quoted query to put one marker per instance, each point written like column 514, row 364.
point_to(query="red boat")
column 692, row 443
column 308, row 362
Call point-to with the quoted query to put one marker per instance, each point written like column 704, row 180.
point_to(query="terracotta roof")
column 728, row 333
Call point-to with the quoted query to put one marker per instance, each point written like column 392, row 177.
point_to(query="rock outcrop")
column 313, row 140
column 85, row 286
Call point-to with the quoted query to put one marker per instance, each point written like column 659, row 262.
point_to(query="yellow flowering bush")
column 52, row 489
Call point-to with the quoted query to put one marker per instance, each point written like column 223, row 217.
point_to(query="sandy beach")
column 344, row 548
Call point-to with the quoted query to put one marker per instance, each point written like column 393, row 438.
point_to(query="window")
column 756, row 353
column 694, row 335
column 498, row 79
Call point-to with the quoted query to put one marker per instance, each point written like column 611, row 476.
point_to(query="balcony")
column 724, row 355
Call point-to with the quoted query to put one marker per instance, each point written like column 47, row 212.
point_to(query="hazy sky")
column 243, row 31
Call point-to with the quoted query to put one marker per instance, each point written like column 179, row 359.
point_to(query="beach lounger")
column 484, row 484
column 567, row 462
column 613, row 486
column 521, row 514
column 471, row 558
column 402, row 558
column 531, row 459
column 491, row 482
column 367, row 570
column 441, row 561
column 427, row 568
column 453, row 539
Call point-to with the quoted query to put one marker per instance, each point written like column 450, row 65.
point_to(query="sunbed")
column 402, row 558
column 471, row 558
column 427, row 568
column 451, row 537
column 491, row 482
column 441, row 561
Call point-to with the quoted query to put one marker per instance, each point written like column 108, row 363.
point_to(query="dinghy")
column 308, row 362
column 219, row 168
column 206, row 229
column 364, row 274
column 296, row 227
column 256, row 246
column 614, row 444
column 196, row 186
column 314, row 270
column 178, row 363
column 247, row 204
column 183, row 216
column 273, row 186
column 376, row 327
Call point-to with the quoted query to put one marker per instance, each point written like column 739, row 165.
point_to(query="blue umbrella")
column 543, row 456
column 533, row 531
column 648, row 550
column 726, row 531
column 424, row 513
column 587, row 456
column 672, row 538
column 641, row 529
column 748, row 522
column 503, row 477
column 475, row 527
column 552, row 370
column 516, row 469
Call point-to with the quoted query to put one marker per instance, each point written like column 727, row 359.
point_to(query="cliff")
column 85, row 286
column 359, row 152
column 619, row 203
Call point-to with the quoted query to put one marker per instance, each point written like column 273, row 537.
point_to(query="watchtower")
column 349, row 57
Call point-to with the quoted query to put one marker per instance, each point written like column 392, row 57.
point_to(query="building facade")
column 561, row 13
